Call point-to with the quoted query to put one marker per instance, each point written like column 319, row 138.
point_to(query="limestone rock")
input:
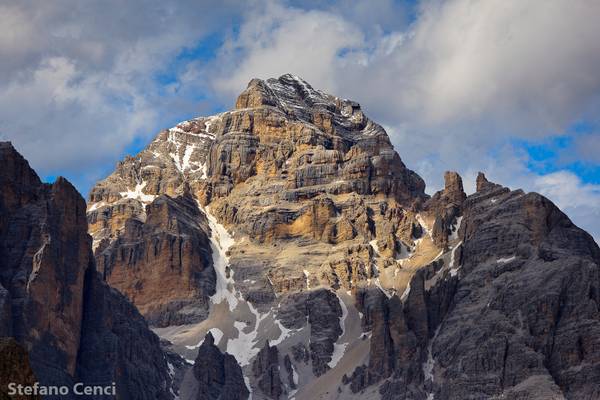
column 287, row 363
column 219, row 375
column 164, row 264
column 446, row 205
column 511, row 316
column 323, row 316
column 290, row 167
column 52, row 300
column 266, row 370
column 324, row 241
column 117, row 346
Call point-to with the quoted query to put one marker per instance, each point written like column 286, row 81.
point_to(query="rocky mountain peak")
column 292, row 221
column 296, row 97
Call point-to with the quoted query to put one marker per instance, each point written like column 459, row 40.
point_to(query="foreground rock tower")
column 290, row 233
column 60, row 323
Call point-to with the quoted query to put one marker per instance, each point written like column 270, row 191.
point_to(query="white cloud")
column 275, row 40
column 523, row 66
column 579, row 200
column 79, row 78
column 588, row 147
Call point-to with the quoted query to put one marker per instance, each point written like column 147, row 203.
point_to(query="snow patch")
column 285, row 333
column 429, row 364
column 373, row 244
column 453, row 269
column 138, row 194
column 186, row 157
column 505, row 260
column 295, row 376
column 406, row 292
column 339, row 348
column 95, row 206
column 307, row 274
column 217, row 335
column 242, row 347
column 421, row 222
column 220, row 242
column 455, row 228
column 209, row 121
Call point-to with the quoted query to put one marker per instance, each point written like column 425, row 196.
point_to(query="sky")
column 508, row 87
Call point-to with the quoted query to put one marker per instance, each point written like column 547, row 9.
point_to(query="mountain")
column 286, row 252
column 60, row 321
column 287, row 233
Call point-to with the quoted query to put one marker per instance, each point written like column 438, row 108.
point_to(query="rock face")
column 290, row 166
column 292, row 220
column 266, row 370
column 528, row 289
column 54, row 303
column 164, row 264
column 14, row 368
column 446, row 207
column 513, row 315
column 219, row 375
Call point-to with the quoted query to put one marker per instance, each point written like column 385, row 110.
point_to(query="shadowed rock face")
column 219, row 376
column 266, row 370
column 14, row 368
column 446, row 206
column 45, row 251
column 329, row 237
column 53, row 302
column 525, row 314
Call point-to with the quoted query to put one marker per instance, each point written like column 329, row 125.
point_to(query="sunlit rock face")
column 290, row 229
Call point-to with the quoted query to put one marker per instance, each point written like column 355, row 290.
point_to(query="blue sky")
column 503, row 86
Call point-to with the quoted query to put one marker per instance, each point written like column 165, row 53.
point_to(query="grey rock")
column 71, row 324
column 218, row 374
column 266, row 371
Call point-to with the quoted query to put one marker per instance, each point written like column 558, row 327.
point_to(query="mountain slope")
column 291, row 220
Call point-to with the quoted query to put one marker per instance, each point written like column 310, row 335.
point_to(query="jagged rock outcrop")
column 266, row 371
column 72, row 325
column 532, row 280
column 219, row 375
column 117, row 346
column 446, row 208
column 289, row 369
column 320, row 310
